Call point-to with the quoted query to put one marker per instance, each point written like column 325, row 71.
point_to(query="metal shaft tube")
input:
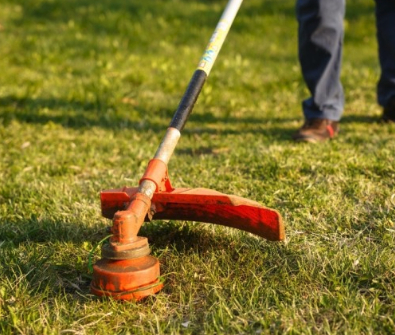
column 170, row 140
column 205, row 65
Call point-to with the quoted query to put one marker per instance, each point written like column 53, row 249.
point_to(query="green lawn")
column 87, row 89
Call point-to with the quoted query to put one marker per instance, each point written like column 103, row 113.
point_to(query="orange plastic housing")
column 203, row 205
column 129, row 279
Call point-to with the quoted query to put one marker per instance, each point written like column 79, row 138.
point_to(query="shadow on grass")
column 29, row 257
column 240, row 254
column 30, row 253
column 183, row 236
column 360, row 119
column 82, row 115
column 67, row 113
column 43, row 231
column 72, row 114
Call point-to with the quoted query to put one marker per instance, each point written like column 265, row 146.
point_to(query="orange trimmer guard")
column 203, row 205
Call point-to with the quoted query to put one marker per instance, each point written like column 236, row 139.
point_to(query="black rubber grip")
column 188, row 100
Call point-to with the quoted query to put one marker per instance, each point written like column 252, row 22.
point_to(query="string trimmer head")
column 126, row 270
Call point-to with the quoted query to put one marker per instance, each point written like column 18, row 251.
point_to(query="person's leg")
column 385, row 21
column 320, row 52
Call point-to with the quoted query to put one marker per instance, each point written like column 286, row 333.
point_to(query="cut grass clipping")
column 87, row 89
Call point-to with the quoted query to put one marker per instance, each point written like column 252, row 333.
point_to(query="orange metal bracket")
column 157, row 172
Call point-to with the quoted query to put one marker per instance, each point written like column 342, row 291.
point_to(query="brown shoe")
column 389, row 112
column 317, row 130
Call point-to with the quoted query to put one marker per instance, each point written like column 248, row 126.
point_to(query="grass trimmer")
column 126, row 270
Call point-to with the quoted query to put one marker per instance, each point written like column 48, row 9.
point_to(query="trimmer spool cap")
column 129, row 279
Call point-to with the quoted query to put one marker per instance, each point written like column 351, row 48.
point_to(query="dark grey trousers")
column 320, row 53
